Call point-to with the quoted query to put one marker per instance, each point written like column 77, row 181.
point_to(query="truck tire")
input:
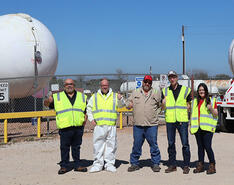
column 222, row 123
column 221, row 126
column 229, row 125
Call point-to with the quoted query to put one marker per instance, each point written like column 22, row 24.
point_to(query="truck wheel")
column 229, row 125
column 222, row 123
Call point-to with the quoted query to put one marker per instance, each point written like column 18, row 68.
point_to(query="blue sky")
column 101, row 36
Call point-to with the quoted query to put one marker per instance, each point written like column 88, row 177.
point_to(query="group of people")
column 73, row 110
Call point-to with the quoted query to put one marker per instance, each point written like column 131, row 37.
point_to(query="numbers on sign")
column 2, row 97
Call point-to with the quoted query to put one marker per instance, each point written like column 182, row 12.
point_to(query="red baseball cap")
column 148, row 77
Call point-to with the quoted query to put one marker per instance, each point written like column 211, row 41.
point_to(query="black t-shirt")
column 176, row 93
column 71, row 99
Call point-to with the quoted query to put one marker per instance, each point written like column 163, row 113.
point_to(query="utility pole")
column 183, row 50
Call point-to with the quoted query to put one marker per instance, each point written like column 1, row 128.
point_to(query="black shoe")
column 81, row 169
column 133, row 167
column 155, row 168
column 170, row 169
column 62, row 171
column 186, row 170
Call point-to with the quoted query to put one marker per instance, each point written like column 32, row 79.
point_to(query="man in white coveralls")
column 102, row 112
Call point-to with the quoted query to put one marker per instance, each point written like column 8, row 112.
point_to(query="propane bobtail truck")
column 226, row 101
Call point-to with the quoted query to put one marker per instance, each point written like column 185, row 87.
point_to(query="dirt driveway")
column 33, row 163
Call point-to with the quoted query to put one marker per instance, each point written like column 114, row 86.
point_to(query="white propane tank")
column 231, row 56
column 21, row 36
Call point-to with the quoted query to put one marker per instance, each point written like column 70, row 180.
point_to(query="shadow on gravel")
column 119, row 162
column 145, row 163
column 83, row 162
column 87, row 163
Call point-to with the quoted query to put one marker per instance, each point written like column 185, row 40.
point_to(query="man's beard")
column 69, row 90
column 146, row 88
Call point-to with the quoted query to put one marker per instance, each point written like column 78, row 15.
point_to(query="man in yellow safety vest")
column 70, row 108
column 176, row 102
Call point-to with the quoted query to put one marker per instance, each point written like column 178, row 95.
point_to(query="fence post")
column 121, row 120
column 5, row 131
column 39, row 127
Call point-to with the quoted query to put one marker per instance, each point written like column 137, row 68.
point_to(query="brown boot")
column 199, row 168
column 80, row 169
column 211, row 169
column 170, row 169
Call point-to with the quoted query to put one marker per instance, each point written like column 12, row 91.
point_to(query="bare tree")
column 222, row 77
column 119, row 74
column 200, row 74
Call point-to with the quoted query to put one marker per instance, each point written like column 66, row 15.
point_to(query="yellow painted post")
column 5, row 131
column 39, row 127
column 121, row 120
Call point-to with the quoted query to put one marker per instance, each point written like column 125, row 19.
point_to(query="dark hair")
column 207, row 98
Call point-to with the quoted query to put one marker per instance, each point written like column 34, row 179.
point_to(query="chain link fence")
column 27, row 94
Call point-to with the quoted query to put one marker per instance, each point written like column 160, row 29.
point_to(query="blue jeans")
column 171, row 135
column 204, row 142
column 70, row 137
column 139, row 135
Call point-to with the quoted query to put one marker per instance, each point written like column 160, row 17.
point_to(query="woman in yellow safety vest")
column 203, row 124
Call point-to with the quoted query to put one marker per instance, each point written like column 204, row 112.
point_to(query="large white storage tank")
column 20, row 37
column 231, row 56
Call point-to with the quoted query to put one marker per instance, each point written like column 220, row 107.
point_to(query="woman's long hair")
column 207, row 98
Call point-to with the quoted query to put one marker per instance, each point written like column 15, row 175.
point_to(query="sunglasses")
column 147, row 81
column 66, row 84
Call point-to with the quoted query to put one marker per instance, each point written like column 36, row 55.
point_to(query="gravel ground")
column 33, row 163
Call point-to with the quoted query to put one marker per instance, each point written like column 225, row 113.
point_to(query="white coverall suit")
column 104, row 140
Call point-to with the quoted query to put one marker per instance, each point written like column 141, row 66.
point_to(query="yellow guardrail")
column 35, row 114
column 38, row 115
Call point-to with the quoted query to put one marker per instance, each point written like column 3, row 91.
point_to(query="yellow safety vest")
column 207, row 121
column 66, row 114
column 105, row 111
column 176, row 110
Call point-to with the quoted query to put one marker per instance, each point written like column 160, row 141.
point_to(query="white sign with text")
column 139, row 82
column 4, row 92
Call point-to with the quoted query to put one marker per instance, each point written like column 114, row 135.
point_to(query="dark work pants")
column 204, row 142
column 171, row 135
column 70, row 137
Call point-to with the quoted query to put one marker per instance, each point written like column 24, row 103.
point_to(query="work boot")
column 186, row 170
column 199, row 168
column 170, row 169
column 155, row 168
column 211, row 169
column 133, row 167
column 62, row 171
column 80, row 169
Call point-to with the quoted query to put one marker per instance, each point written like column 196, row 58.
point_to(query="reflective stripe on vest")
column 67, row 110
column 176, row 110
column 104, row 111
column 207, row 121
column 66, row 114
